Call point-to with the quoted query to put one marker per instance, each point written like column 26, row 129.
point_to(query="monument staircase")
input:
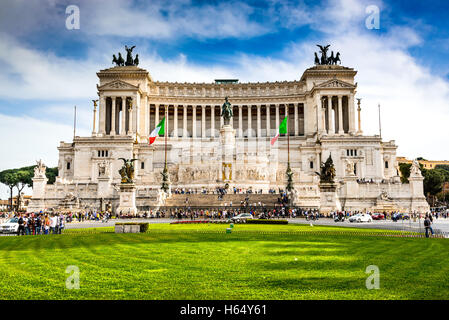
column 213, row 200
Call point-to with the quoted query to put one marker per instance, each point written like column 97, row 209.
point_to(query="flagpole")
column 380, row 125
column 289, row 173
column 165, row 179
column 165, row 133
column 74, row 123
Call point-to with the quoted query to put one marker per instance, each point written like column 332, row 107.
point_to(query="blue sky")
column 47, row 69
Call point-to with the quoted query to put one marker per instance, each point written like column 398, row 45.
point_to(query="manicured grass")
column 203, row 262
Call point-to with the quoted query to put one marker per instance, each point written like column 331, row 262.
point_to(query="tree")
column 405, row 171
column 433, row 180
column 23, row 180
column 51, row 174
column 21, row 177
column 10, row 179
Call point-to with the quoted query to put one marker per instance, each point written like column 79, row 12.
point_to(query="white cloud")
column 162, row 19
column 413, row 99
column 25, row 140
column 33, row 74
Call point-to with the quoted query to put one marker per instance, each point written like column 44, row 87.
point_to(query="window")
column 142, row 165
column 68, row 165
column 311, row 164
column 103, row 153
column 386, row 164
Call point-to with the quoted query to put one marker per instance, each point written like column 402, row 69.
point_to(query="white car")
column 10, row 226
column 242, row 216
column 361, row 217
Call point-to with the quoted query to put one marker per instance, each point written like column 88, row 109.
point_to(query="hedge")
column 263, row 221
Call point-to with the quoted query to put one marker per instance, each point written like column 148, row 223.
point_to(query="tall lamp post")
column 165, row 180
column 289, row 171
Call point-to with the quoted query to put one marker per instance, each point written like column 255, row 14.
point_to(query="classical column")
column 340, row 115
column 149, row 119
column 175, row 121
column 240, row 121
column 330, row 116
column 259, row 121
column 112, row 133
column 145, row 117
column 137, row 113
column 268, row 119
column 102, row 122
column 359, row 109
column 184, row 121
column 193, row 121
column 277, row 116
column 130, row 118
column 94, row 129
column 212, row 121
column 156, row 115
column 203, row 121
column 249, row 122
column 295, row 106
column 285, row 115
column 221, row 119
column 123, row 125
column 351, row 112
column 319, row 113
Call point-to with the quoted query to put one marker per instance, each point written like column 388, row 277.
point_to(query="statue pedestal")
column 328, row 197
column 227, row 139
column 104, row 187
column 127, row 199
column 37, row 202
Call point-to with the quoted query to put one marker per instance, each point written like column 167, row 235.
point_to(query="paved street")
column 407, row 225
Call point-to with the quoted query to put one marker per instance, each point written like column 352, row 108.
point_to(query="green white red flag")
column 282, row 130
column 159, row 130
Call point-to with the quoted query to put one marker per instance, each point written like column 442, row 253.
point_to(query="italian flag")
column 159, row 130
column 282, row 129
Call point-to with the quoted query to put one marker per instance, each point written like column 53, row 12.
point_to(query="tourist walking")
column 427, row 225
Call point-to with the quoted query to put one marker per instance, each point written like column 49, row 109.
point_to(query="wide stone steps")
column 212, row 200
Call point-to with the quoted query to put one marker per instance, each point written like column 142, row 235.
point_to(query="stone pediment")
column 334, row 83
column 118, row 85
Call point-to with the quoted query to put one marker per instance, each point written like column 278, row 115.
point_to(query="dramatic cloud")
column 413, row 99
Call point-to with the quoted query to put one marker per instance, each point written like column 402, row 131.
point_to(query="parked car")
column 378, row 216
column 10, row 226
column 242, row 216
column 361, row 217
column 400, row 216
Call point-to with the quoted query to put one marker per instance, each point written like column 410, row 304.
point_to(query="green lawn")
column 203, row 262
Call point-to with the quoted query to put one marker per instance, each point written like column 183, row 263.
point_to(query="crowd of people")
column 220, row 190
column 40, row 223
column 54, row 223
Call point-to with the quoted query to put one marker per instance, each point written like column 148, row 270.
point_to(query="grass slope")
column 202, row 262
